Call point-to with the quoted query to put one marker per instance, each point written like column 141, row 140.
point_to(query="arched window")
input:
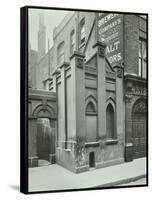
column 90, row 108
column 110, row 126
column 60, row 53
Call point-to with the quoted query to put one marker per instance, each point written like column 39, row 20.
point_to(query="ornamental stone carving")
column 140, row 107
column 101, row 51
column 79, row 62
column 127, row 98
column 119, row 72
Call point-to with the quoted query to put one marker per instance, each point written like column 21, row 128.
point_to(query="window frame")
column 82, row 27
column 142, row 70
column 113, row 138
column 72, row 41
column 61, row 52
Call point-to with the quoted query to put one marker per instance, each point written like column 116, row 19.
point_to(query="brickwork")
column 131, row 44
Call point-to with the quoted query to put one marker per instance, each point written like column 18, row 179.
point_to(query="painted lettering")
column 115, row 58
column 112, row 47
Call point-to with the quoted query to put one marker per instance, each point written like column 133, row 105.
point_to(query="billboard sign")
column 110, row 31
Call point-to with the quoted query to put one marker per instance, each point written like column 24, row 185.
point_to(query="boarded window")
column 91, row 122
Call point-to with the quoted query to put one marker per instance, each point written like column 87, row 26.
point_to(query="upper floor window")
column 60, row 53
column 72, row 39
column 142, row 58
column 82, row 31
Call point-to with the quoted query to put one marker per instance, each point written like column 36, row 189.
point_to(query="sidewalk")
column 55, row 177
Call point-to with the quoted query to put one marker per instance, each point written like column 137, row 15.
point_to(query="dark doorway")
column 110, row 122
column 43, row 139
column 91, row 159
column 139, row 130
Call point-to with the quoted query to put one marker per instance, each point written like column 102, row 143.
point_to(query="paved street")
column 141, row 181
column 55, row 177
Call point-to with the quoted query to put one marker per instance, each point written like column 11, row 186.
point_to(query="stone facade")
column 96, row 105
column 41, row 105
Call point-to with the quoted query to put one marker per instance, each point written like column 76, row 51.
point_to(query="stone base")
column 33, row 161
column 65, row 158
column 52, row 158
column 82, row 169
column 109, row 163
column 128, row 152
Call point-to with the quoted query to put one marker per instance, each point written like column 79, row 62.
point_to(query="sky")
column 52, row 18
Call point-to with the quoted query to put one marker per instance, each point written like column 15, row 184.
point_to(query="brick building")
column 96, row 75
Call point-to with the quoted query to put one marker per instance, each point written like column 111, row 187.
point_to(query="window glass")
column 110, row 122
column 60, row 53
column 82, row 31
column 72, row 41
column 142, row 58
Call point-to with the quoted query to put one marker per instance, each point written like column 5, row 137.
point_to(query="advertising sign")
column 110, row 31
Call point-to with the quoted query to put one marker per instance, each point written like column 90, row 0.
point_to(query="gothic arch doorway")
column 139, row 128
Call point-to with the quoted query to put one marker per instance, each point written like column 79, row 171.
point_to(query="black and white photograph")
column 87, row 99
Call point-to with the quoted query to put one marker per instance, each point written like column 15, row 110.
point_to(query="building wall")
column 89, row 20
column 131, row 43
column 32, row 64
column 62, row 33
column 87, row 76
column 41, row 104
column 134, row 28
column 43, row 70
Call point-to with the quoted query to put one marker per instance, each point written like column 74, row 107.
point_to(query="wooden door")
column 139, row 135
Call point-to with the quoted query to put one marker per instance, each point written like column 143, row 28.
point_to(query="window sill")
column 68, row 150
column 111, row 141
column 92, row 144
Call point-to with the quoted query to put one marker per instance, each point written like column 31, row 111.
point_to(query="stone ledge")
column 110, row 142
column 92, row 144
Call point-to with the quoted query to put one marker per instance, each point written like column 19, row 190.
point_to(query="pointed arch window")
column 90, row 109
column 110, row 122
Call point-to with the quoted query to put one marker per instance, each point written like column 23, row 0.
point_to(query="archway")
column 45, row 134
column 139, row 128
